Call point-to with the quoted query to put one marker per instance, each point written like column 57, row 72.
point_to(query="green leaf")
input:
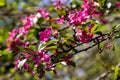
column 32, row 47
column 56, row 26
column 73, row 64
column 22, row 49
column 32, row 33
column 49, row 43
column 2, row 3
column 116, row 73
column 51, row 47
column 60, row 56
column 71, row 39
column 40, row 21
column 101, row 1
column 116, row 27
column 51, row 9
column 61, row 12
column 96, row 28
column 117, row 36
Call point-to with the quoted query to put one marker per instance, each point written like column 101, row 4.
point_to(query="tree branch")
column 107, row 73
column 107, row 35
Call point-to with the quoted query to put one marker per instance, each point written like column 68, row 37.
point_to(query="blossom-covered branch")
column 43, row 40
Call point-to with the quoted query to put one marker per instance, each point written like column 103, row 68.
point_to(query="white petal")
column 38, row 15
column 21, row 63
column 64, row 63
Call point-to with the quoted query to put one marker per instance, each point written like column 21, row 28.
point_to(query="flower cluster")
column 12, row 35
column 79, row 17
column 45, row 35
column 85, row 35
column 50, row 46
column 44, row 13
column 18, row 45
column 57, row 4
column 61, row 20
column 41, row 58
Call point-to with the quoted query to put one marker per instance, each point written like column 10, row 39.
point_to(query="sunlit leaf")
column 22, row 49
column 96, row 28
column 49, row 43
column 51, row 47
column 2, row 3
column 117, row 69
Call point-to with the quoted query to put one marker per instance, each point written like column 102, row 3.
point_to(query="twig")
column 85, row 49
column 106, row 73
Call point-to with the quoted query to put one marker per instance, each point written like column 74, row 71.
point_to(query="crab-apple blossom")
column 45, row 35
column 118, row 5
column 57, row 4
column 12, row 35
column 40, row 49
column 61, row 20
column 44, row 13
column 84, row 35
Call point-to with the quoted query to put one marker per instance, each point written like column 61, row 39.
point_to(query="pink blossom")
column 26, row 55
column 90, row 27
column 100, row 38
column 68, row 57
column 103, row 21
column 26, row 66
column 88, row 7
column 27, row 23
column 16, row 64
column 98, row 14
column 84, row 36
column 118, row 5
column 57, row 4
column 32, row 72
column 12, row 35
column 44, row 13
column 77, row 17
column 61, row 20
column 23, row 31
column 49, row 66
column 38, row 58
column 26, row 44
column 46, row 58
column 68, row 63
column 13, row 45
column 42, row 57
column 109, row 46
column 45, row 35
